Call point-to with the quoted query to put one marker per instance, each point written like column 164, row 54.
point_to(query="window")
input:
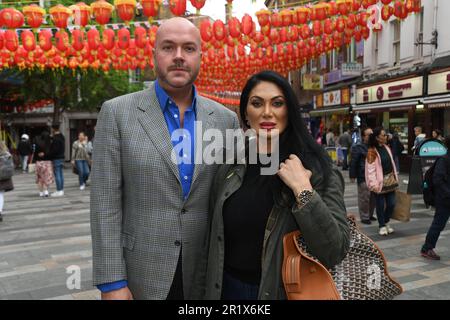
column 396, row 41
column 419, row 34
column 333, row 60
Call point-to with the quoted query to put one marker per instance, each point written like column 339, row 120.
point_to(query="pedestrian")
column 25, row 150
column 149, row 210
column 419, row 137
column 345, row 142
column 437, row 134
column 441, row 187
column 6, row 173
column 57, row 154
column 330, row 138
column 44, row 167
column 357, row 172
column 381, row 178
column 247, row 206
column 397, row 149
column 81, row 158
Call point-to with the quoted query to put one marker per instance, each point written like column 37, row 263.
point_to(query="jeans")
column 58, row 166
column 24, row 162
column 345, row 162
column 439, row 221
column 397, row 163
column 385, row 204
column 83, row 171
column 234, row 289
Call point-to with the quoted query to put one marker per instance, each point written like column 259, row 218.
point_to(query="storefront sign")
column 439, row 83
column 332, row 98
column 345, row 96
column 334, row 77
column 312, row 82
column 407, row 88
column 351, row 69
column 432, row 148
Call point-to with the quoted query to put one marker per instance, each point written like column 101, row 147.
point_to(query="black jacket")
column 24, row 148
column 358, row 162
column 441, row 181
column 57, row 147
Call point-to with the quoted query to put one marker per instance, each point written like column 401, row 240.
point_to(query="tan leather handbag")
column 362, row 275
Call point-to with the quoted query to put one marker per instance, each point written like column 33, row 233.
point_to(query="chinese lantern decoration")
column 140, row 35
column 34, row 15
column 344, row 6
column 177, row 7
column 275, row 20
column 302, row 15
column 247, row 24
column 81, row 13
column 28, row 40
column 102, row 11
column 400, row 10
column 328, row 26
column 219, row 30
column 367, row 3
column 45, row 40
column 60, row 15
column 205, row 30
column 108, row 39
column 150, row 8
column 317, row 28
column 123, row 36
column 413, row 6
column 320, row 11
column 152, row 35
column 2, row 39
column 93, row 39
column 305, row 32
column 11, row 40
column 78, row 39
column 386, row 2
column 286, row 17
column 11, row 18
column 61, row 41
column 234, row 28
column 198, row 4
column 263, row 17
column 386, row 12
column 125, row 9
column 340, row 24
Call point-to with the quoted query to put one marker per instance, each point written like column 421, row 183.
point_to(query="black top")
column 24, row 148
column 245, row 215
column 386, row 162
column 57, row 147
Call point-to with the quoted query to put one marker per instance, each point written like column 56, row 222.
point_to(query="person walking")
column 397, row 149
column 57, row 154
column 81, row 158
column 357, row 172
column 419, row 137
column 437, row 134
column 381, row 178
column 44, row 167
column 441, row 187
column 25, row 150
column 345, row 142
column 6, row 174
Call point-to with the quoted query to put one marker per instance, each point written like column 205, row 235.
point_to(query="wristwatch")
column 304, row 197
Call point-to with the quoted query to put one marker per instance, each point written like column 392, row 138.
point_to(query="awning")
column 324, row 111
column 388, row 104
column 441, row 101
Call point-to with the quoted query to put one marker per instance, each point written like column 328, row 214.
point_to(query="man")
column 366, row 200
column 419, row 137
column 345, row 141
column 57, row 154
column 25, row 150
column 149, row 213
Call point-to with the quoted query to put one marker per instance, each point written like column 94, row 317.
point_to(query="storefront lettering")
column 380, row 93
column 397, row 91
column 448, row 82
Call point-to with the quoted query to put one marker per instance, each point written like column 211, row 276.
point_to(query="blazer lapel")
column 154, row 124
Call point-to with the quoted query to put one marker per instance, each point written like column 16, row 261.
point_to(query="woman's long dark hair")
column 296, row 139
column 373, row 142
column 44, row 141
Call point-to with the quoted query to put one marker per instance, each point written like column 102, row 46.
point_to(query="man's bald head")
column 178, row 25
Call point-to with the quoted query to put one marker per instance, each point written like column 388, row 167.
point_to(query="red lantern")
column 305, row 32
column 34, row 15
column 367, row 3
column 234, row 27
column 45, row 40
column 275, row 20
column 302, row 15
column 62, row 40
column 28, row 40
column 93, row 39
column 102, row 11
column 11, row 40
column 140, row 35
column 400, row 10
column 328, row 26
column 125, row 9
column 11, row 18
column 286, row 17
column 365, row 33
column 320, row 11
column 362, row 18
column 81, row 13
column 340, row 24
column 263, row 17
column 198, row 4
column 78, row 39
column 293, row 34
column 205, row 30
column 247, row 24
column 2, row 39
column 386, row 2
column 344, row 6
column 177, row 7
column 152, row 35
column 332, row 8
column 219, row 30
column 387, row 12
column 317, row 28
column 60, row 15
column 123, row 36
column 150, row 8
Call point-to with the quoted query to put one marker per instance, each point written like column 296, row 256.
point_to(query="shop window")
column 398, row 123
column 396, row 41
column 419, row 34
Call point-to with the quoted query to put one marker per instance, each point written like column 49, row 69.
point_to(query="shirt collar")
column 163, row 97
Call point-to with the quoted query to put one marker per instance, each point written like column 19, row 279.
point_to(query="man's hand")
column 119, row 294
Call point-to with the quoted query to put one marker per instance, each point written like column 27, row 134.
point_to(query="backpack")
column 428, row 186
column 6, row 166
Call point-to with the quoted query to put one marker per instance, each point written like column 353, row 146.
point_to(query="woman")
column 441, row 187
column 252, row 211
column 381, row 178
column 6, row 166
column 437, row 134
column 44, row 166
column 80, row 158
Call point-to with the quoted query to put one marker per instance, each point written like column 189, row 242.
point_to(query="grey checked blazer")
column 138, row 215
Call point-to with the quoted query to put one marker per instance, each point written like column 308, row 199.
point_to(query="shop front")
column 438, row 99
column 397, row 106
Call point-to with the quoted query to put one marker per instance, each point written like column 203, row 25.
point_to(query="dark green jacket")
column 322, row 222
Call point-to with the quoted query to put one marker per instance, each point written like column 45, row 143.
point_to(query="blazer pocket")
column 128, row 241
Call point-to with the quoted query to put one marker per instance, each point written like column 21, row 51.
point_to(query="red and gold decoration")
column 125, row 9
column 102, row 11
column 150, row 8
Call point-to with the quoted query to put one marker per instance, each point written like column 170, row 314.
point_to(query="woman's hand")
column 295, row 175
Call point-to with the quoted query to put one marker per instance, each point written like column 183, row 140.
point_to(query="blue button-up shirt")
column 183, row 141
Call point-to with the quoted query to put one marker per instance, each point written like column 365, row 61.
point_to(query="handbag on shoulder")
column 389, row 183
column 361, row 275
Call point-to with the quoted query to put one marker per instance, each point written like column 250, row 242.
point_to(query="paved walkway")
column 41, row 238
